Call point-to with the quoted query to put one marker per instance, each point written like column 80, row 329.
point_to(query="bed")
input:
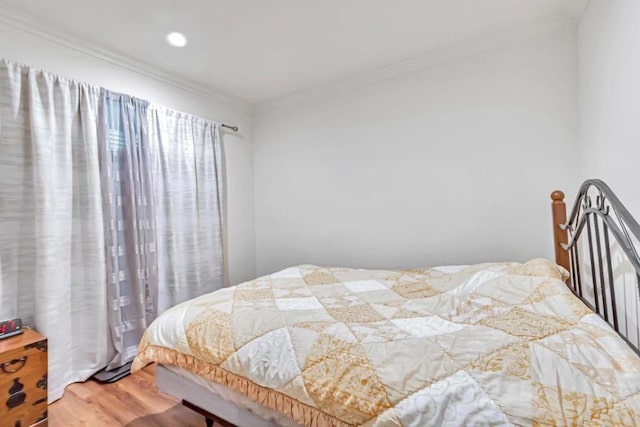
column 534, row 343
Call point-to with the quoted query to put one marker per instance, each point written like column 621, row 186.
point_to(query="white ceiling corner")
column 466, row 48
column 255, row 51
column 32, row 25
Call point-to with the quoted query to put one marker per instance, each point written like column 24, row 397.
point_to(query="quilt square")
column 308, row 303
column 364, row 285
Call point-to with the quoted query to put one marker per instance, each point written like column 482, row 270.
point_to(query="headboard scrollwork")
column 598, row 244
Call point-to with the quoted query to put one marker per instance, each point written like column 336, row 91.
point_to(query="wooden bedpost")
column 559, row 211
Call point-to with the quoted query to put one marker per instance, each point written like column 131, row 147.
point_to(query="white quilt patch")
column 269, row 360
column 466, row 288
column 426, row 326
column 288, row 273
column 172, row 331
column 455, row 401
column 364, row 285
column 308, row 303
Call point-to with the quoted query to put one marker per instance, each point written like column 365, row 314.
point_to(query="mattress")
column 492, row 344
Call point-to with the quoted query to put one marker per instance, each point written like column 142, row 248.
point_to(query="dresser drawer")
column 23, row 385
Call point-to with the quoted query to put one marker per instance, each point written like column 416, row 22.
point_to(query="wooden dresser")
column 23, row 380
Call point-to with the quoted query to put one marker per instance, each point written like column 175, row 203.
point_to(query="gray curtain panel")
column 186, row 158
column 129, row 222
column 51, row 234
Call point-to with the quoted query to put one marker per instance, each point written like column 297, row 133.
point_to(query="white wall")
column 450, row 164
column 44, row 52
column 609, row 96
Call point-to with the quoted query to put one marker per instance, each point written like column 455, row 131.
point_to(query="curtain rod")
column 233, row 128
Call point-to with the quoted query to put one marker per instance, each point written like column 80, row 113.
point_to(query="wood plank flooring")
column 133, row 401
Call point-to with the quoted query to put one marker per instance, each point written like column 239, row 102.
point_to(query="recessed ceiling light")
column 176, row 39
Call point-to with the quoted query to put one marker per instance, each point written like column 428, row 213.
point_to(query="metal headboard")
column 598, row 245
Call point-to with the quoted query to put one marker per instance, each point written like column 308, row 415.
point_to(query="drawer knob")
column 14, row 366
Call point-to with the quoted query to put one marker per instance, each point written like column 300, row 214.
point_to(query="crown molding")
column 330, row 88
column 433, row 58
column 28, row 24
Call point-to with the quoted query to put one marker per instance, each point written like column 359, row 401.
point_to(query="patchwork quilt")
column 490, row 344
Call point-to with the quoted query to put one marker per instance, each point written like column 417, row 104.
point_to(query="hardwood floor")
column 133, row 401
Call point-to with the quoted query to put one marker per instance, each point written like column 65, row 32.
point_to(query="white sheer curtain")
column 51, row 228
column 186, row 162
column 53, row 263
column 128, row 221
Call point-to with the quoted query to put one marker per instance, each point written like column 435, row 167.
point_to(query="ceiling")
column 257, row 50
